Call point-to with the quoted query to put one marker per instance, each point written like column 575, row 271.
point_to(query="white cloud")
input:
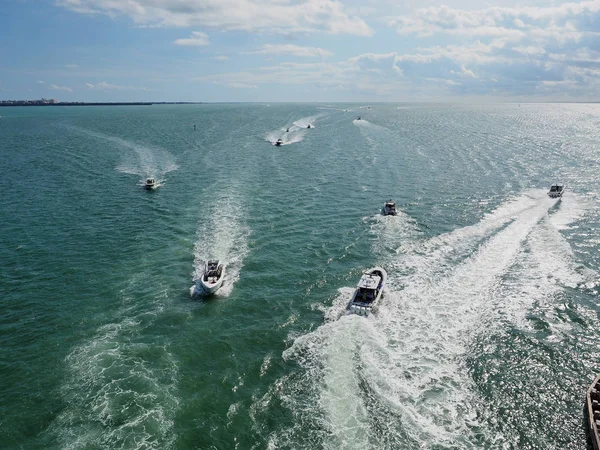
column 221, row 58
column 61, row 88
column 104, row 86
column 40, row 82
column 246, row 15
column 464, row 72
column 197, row 39
column 561, row 22
column 530, row 50
column 292, row 50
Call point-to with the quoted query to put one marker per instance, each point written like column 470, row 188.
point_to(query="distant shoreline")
column 24, row 103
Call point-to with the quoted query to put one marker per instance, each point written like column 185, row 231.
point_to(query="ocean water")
column 487, row 337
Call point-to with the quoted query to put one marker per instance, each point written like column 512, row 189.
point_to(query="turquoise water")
column 487, row 336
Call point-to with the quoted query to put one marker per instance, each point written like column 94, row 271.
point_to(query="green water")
column 487, row 336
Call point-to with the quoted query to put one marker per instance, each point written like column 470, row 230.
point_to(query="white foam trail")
column 309, row 120
column 546, row 266
column 407, row 362
column 147, row 162
column 572, row 207
column 115, row 396
column 365, row 124
column 223, row 236
column 445, row 249
column 295, row 134
column 389, row 232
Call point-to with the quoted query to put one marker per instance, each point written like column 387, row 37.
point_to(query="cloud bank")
column 231, row 15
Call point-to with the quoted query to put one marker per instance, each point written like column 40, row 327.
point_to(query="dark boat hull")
column 592, row 400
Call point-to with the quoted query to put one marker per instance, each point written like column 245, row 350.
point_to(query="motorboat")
column 279, row 142
column 212, row 277
column 389, row 208
column 287, row 131
column 308, row 126
column 150, row 183
column 556, row 191
column 368, row 292
column 358, row 118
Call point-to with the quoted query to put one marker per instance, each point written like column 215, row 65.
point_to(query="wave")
column 221, row 235
column 399, row 379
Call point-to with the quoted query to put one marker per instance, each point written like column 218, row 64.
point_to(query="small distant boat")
column 287, row 131
column 556, row 191
column 389, row 208
column 309, row 126
column 279, row 142
column 358, row 118
column 368, row 292
column 592, row 403
column 212, row 277
column 150, row 183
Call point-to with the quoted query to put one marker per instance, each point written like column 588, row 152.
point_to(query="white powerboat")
column 368, row 292
column 556, row 191
column 308, row 126
column 212, row 277
column 389, row 208
column 150, row 183
column 279, row 142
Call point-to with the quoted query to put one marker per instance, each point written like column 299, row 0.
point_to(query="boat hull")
column 592, row 403
column 211, row 288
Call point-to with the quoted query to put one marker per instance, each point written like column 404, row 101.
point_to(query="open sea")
column 487, row 337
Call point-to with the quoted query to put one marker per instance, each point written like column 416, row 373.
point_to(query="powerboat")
column 279, row 142
column 358, row 118
column 212, row 277
column 287, row 131
column 556, row 191
column 309, row 126
column 368, row 292
column 389, row 208
column 150, row 183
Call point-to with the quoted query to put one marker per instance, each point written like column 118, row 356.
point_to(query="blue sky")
column 300, row 50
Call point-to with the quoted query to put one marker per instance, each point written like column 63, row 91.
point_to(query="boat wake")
column 399, row 379
column 362, row 123
column 146, row 162
column 389, row 232
column 304, row 122
column 295, row 134
column 221, row 235
column 120, row 387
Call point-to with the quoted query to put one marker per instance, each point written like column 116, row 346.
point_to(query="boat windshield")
column 365, row 295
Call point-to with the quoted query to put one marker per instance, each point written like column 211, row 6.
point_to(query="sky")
column 300, row 50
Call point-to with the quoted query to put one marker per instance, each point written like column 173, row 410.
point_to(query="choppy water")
column 487, row 336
